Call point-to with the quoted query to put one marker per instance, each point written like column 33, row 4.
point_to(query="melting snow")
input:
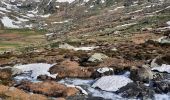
column 4, row 9
column 85, row 48
column 45, row 16
column 8, row 22
column 168, row 22
column 163, row 68
column 70, row 1
column 87, row 89
column 32, row 71
column 111, row 83
column 162, row 97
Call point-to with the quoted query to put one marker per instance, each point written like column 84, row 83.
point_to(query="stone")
column 161, row 86
column 133, row 90
column 66, row 46
column 142, row 74
column 97, row 57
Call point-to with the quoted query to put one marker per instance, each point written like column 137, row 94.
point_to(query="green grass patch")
column 149, row 22
column 24, row 32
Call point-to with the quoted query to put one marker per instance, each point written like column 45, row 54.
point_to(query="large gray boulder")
column 142, row 74
column 97, row 57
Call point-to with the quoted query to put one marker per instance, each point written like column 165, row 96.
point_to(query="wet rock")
column 45, row 77
column 11, row 93
column 102, row 72
column 133, row 90
column 142, row 74
column 97, row 57
column 161, row 87
column 49, row 88
column 71, row 69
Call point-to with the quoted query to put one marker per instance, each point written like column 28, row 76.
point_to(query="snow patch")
column 32, row 71
column 162, row 97
column 168, row 22
column 163, row 68
column 8, row 22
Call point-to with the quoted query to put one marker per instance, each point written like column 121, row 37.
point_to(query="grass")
column 149, row 22
column 15, row 38
column 24, row 32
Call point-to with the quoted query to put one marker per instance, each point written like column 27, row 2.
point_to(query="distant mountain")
column 64, row 16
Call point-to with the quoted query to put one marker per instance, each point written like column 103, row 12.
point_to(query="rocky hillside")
column 85, row 49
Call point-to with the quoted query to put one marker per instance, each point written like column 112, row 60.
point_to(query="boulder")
column 142, row 74
column 66, row 46
column 133, row 90
column 97, row 57
column 161, row 86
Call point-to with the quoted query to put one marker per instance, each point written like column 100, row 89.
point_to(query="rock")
column 49, row 88
column 5, row 73
column 105, row 71
column 161, row 86
column 11, row 93
column 97, row 57
column 71, row 69
column 66, row 46
column 111, row 83
column 142, row 74
column 6, row 76
column 164, row 40
column 158, row 61
column 45, row 77
column 133, row 90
